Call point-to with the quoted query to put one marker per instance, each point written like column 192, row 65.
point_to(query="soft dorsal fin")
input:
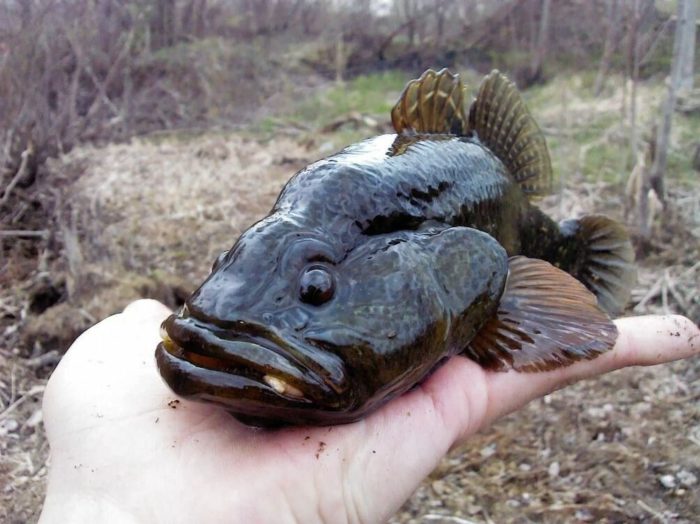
column 432, row 104
column 502, row 123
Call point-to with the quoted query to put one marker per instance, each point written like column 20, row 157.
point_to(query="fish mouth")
column 244, row 371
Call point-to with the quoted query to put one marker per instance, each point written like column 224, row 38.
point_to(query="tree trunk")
column 541, row 46
column 611, row 41
column 105, row 14
column 687, row 49
column 192, row 21
column 409, row 8
column 655, row 180
column 696, row 157
column 339, row 56
column 439, row 9
column 163, row 24
column 633, row 68
column 26, row 14
column 200, row 11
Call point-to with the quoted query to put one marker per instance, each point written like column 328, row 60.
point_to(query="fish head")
column 292, row 328
column 236, row 340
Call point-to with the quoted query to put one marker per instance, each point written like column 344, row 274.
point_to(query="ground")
column 147, row 218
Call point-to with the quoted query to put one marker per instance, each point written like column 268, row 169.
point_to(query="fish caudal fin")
column 503, row 123
column 606, row 259
column 432, row 104
column 546, row 319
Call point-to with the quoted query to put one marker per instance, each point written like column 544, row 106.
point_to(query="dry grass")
column 621, row 448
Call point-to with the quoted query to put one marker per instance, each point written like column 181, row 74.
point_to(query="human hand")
column 124, row 449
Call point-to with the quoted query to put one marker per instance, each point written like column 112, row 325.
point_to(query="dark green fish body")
column 367, row 190
column 379, row 262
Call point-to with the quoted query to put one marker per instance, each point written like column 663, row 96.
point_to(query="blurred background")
column 138, row 139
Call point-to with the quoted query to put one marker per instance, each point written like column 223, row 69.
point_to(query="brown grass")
column 131, row 216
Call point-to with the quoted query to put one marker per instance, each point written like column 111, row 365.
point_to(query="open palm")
column 124, row 448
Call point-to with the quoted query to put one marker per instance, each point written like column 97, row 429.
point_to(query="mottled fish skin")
column 354, row 211
column 367, row 190
column 374, row 266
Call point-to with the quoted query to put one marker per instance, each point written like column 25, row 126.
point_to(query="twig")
column 8, row 309
column 653, row 291
column 87, row 316
column 17, row 215
column 558, row 507
column 664, row 293
column 675, row 294
column 50, row 357
column 655, row 513
column 8, row 145
column 28, row 233
column 487, row 517
column 34, row 391
column 654, row 40
column 446, row 518
column 21, row 171
column 689, row 270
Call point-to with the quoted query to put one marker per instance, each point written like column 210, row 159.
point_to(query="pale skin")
column 125, row 449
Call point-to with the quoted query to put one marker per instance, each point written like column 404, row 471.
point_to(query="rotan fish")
column 379, row 262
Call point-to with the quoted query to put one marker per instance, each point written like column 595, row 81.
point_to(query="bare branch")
column 21, row 173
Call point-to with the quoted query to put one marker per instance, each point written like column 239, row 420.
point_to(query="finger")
column 642, row 341
column 147, row 309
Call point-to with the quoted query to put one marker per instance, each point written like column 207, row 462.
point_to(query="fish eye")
column 316, row 285
column 218, row 261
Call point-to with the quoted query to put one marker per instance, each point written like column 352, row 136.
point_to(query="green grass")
column 594, row 129
column 689, row 127
column 610, row 160
column 373, row 94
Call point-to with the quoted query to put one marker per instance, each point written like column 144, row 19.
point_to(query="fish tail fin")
column 503, row 123
column 432, row 104
column 546, row 319
column 604, row 258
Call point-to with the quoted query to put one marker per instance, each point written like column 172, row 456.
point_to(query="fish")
column 379, row 263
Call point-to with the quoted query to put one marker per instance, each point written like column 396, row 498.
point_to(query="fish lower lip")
column 267, row 364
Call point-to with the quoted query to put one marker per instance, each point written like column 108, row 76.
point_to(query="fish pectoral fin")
column 546, row 319
column 432, row 104
column 503, row 123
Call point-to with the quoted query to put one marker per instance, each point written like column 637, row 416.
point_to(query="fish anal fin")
column 431, row 104
column 546, row 319
column 503, row 123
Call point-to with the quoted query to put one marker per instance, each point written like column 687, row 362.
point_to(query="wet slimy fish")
column 379, row 262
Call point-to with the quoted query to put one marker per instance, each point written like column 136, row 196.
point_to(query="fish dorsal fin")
column 546, row 319
column 502, row 123
column 432, row 104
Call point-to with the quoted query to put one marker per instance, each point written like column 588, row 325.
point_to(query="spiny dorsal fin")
column 546, row 319
column 503, row 123
column 432, row 104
